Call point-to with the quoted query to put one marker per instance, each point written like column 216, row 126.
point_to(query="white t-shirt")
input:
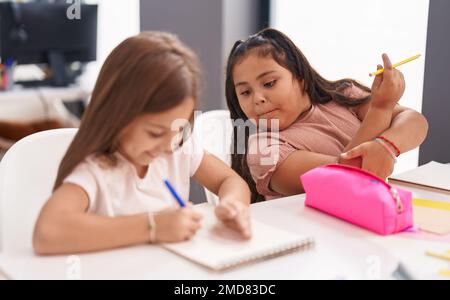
column 119, row 191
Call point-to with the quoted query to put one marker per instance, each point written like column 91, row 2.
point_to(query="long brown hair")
column 273, row 43
column 150, row 72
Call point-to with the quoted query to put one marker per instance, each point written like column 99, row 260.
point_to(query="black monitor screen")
column 29, row 31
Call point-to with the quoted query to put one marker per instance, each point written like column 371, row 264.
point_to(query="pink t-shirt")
column 118, row 191
column 326, row 129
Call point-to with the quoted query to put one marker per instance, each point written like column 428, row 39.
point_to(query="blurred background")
column 51, row 52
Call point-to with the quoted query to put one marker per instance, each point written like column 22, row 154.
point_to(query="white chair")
column 214, row 131
column 27, row 174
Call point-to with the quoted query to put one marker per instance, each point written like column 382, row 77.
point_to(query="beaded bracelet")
column 152, row 227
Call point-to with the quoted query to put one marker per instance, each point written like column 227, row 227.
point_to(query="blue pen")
column 174, row 193
column 9, row 62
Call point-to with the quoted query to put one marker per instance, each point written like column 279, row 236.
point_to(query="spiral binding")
column 306, row 244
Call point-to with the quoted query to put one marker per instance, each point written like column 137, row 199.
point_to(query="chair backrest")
column 214, row 131
column 27, row 174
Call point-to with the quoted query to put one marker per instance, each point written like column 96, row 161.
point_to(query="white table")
column 70, row 93
column 38, row 103
column 342, row 251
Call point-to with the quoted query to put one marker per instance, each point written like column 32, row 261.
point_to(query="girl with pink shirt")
column 317, row 121
column 109, row 191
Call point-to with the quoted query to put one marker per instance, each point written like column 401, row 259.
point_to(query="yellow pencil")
column 444, row 273
column 438, row 255
column 396, row 65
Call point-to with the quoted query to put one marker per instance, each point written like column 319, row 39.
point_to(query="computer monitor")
column 42, row 33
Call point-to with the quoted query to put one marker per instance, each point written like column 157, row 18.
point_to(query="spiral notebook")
column 219, row 248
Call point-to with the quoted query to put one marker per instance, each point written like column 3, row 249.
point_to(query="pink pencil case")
column 359, row 197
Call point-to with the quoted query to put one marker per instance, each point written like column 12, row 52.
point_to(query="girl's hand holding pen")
column 180, row 224
column 388, row 87
column 235, row 215
column 177, row 224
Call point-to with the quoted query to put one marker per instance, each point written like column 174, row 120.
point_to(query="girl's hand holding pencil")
column 388, row 86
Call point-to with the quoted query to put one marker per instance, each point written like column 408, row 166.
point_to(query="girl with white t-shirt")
column 109, row 191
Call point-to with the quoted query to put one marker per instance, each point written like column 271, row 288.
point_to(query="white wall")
column 117, row 20
column 346, row 39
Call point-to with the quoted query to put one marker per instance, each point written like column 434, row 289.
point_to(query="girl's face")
column 268, row 91
column 152, row 134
